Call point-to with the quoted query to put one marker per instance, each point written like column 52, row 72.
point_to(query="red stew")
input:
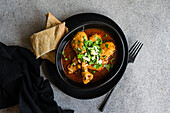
column 69, row 55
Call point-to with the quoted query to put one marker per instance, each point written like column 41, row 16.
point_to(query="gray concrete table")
column 145, row 86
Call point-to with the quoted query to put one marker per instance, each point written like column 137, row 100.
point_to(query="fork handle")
column 101, row 108
column 129, row 61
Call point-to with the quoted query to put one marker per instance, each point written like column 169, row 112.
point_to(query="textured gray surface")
column 145, row 86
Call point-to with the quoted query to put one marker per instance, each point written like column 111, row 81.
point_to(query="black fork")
column 133, row 52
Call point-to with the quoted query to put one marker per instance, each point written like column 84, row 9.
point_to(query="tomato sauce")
column 69, row 54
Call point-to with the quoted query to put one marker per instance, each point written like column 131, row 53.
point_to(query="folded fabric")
column 20, row 82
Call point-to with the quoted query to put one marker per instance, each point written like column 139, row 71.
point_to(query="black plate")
column 71, row 22
column 117, row 66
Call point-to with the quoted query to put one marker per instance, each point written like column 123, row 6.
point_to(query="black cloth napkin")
column 20, row 82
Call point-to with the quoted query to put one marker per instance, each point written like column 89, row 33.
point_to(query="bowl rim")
column 73, row 30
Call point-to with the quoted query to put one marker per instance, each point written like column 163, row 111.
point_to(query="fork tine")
column 138, row 50
column 133, row 46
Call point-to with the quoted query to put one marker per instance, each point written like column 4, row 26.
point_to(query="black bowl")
column 118, row 65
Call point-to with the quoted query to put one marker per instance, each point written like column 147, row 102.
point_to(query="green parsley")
column 88, row 52
column 86, row 43
column 105, row 35
column 107, row 66
column 84, row 48
column 111, row 66
column 78, row 49
column 63, row 53
column 72, row 64
column 96, row 42
column 101, row 65
column 94, row 61
column 104, row 56
column 111, row 60
column 90, row 43
column 100, row 42
column 69, row 57
column 65, row 59
column 79, row 42
column 80, row 55
column 96, row 66
column 107, row 45
column 91, row 63
column 100, row 51
column 84, row 38
column 96, row 37
column 94, row 71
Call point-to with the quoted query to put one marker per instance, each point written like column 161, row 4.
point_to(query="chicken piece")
column 77, row 42
column 87, row 76
column 84, row 66
column 108, row 49
column 94, row 37
column 74, row 66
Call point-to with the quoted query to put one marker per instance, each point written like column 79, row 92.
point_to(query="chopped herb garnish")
column 63, row 53
column 107, row 66
column 96, row 42
column 85, row 43
column 111, row 60
column 94, row 61
column 100, row 51
column 80, row 55
column 94, row 71
column 84, row 48
column 88, row 52
column 69, row 57
column 72, row 64
column 96, row 66
column 100, row 42
column 101, row 65
column 84, row 38
column 104, row 56
column 106, row 41
column 93, row 52
column 107, row 45
column 65, row 59
column 78, row 49
column 90, row 43
column 105, row 35
column 111, row 66
column 91, row 63
column 96, row 37
column 79, row 42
